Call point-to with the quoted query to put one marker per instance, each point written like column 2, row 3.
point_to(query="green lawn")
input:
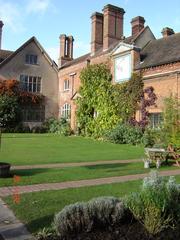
column 40, row 207
column 23, row 149
column 35, row 176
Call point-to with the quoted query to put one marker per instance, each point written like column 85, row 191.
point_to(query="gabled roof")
column 161, row 51
column 4, row 54
column 32, row 39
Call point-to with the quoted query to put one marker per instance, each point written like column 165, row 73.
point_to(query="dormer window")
column 66, row 85
column 31, row 59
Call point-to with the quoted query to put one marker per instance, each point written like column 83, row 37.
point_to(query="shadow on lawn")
column 27, row 172
column 107, row 166
column 39, row 223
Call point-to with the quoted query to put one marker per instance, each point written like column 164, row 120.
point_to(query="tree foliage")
column 12, row 98
column 9, row 110
column 171, row 117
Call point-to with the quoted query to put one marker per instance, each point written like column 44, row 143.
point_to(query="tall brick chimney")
column 137, row 24
column 113, row 25
column 1, row 26
column 66, row 49
column 167, row 32
column 96, row 32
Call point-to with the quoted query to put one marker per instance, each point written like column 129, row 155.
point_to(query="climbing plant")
column 102, row 105
column 96, row 109
column 127, row 97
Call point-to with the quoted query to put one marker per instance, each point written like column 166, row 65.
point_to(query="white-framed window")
column 155, row 120
column 66, row 111
column 31, row 59
column 66, row 84
column 33, row 113
column 30, row 83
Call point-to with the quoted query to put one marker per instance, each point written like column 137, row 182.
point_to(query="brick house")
column 157, row 59
column 37, row 73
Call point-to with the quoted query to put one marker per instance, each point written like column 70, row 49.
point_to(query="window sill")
column 31, row 64
column 66, row 90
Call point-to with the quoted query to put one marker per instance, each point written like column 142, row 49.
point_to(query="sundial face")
column 122, row 66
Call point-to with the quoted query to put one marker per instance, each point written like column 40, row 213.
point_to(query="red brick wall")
column 164, row 79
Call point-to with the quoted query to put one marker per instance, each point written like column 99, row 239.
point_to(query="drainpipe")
column 72, row 75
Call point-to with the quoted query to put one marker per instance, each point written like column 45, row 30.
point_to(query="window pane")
column 30, row 83
column 155, row 120
column 34, row 84
column 31, row 59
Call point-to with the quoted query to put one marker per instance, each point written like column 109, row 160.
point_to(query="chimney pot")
column 167, row 32
column 66, row 49
column 113, row 25
column 137, row 24
column 1, row 26
column 97, row 32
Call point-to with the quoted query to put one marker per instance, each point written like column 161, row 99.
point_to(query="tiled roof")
column 161, row 51
column 4, row 54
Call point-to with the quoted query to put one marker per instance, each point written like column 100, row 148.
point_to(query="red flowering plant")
column 12, row 99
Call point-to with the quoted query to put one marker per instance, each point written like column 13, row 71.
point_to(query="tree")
column 9, row 110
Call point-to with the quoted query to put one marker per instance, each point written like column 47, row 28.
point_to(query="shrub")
column 171, row 116
column 125, row 134
column 61, row 126
column 9, row 111
column 156, row 206
column 148, row 137
column 47, row 234
column 81, row 217
column 155, row 137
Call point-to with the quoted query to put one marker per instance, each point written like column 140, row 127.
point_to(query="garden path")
column 7, row 191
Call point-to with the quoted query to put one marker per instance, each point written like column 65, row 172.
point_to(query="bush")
column 148, row 137
column 155, row 137
column 97, row 213
column 125, row 134
column 156, row 206
column 61, row 126
column 47, row 234
column 9, row 111
column 20, row 128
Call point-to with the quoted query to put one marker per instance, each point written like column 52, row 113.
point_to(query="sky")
column 47, row 19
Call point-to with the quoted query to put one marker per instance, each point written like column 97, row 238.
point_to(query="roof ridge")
column 33, row 38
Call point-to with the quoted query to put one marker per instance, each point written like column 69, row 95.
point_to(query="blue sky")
column 47, row 19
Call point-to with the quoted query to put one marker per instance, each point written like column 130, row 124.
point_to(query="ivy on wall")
column 102, row 105
column 96, row 111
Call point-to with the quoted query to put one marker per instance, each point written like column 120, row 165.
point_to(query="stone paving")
column 80, row 164
column 10, row 227
column 7, row 191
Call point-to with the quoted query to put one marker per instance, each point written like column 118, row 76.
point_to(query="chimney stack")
column 167, row 32
column 137, row 24
column 97, row 32
column 1, row 26
column 66, row 49
column 113, row 25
